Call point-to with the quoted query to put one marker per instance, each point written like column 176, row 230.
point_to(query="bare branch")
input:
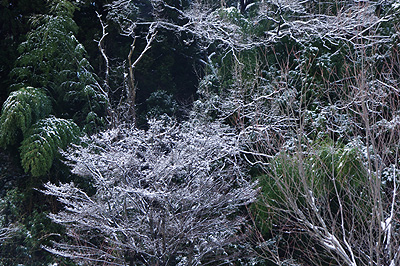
column 169, row 194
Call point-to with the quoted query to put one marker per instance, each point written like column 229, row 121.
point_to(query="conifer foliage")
column 53, row 59
column 24, row 115
column 21, row 109
column 43, row 140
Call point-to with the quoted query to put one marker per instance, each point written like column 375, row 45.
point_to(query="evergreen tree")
column 22, row 109
column 53, row 59
column 42, row 142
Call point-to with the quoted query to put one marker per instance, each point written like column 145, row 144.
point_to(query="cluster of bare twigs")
column 329, row 173
column 334, row 198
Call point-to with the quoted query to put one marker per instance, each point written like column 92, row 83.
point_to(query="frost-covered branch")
column 303, row 21
column 338, row 189
column 131, row 93
column 165, row 195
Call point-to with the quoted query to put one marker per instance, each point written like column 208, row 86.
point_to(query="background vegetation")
column 237, row 132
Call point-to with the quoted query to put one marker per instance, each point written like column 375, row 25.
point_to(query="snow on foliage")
column 21, row 109
column 43, row 140
column 168, row 194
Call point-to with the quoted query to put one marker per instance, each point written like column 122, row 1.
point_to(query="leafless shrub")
column 333, row 199
column 170, row 194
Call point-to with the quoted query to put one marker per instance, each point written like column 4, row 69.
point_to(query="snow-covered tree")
column 335, row 202
column 173, row 194
column 330, row 190
column 227, row 28
column 318, row 108
column 307, row 56
column 242, row 25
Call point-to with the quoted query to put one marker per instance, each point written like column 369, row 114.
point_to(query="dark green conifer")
column 21, row 109
column 43, row 140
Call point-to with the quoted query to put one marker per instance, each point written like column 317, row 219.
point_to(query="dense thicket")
column 178, row 110
column 168, row 195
